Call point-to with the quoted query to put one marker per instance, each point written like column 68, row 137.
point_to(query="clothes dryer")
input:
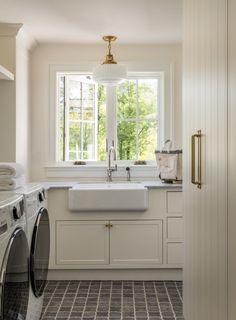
column 14, row 259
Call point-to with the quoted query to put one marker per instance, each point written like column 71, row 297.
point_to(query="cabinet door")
column 174, row 202
column 232, row 162
column 82, row 243
column 175, row 253
column 205, row 208
column 136, row 243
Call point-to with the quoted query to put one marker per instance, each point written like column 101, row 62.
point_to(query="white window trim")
column 166, row 116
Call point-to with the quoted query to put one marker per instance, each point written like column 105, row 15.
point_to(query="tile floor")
column 113, row 300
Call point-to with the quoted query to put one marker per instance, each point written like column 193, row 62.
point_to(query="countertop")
column 149, row 184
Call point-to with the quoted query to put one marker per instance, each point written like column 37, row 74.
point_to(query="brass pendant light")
column 109, row 72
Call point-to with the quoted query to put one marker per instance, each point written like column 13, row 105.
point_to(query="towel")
column 11, row 170
column 167, row 165
column 7, row 184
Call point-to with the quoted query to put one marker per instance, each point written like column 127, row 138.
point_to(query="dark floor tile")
column 113, row 300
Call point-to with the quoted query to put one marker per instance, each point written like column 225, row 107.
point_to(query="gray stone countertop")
column 149, row 184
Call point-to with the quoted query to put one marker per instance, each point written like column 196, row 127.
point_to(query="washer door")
column 14, row 288
column 39, row 255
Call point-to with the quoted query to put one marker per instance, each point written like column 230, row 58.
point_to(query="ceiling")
column 84, row 21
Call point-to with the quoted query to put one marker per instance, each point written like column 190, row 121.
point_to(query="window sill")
column 98, row 171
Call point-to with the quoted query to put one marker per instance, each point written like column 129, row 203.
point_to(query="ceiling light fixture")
column 109, row 72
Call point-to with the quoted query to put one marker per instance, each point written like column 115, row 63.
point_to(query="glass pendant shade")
column 109, row 73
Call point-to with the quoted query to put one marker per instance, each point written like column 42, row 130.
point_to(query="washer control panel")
column 34, row 201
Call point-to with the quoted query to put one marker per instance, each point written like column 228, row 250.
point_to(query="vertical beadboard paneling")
column 205, row 108
column 232, row 160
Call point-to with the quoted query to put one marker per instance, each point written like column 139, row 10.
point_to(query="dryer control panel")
column 11, row 212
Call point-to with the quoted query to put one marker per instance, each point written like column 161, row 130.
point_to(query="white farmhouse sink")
column 108, row 197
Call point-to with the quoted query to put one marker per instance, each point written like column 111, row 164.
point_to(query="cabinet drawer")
column 136, row 243
column 82, row 243
column 174, row 202
column 175, row 253
column 175, row 228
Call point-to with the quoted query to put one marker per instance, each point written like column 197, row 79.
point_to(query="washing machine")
column 38, row 235
column 14, row 259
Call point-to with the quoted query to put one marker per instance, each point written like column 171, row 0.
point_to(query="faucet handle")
column 128, row 173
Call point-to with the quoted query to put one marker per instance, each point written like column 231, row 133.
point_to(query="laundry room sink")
column 108, row 197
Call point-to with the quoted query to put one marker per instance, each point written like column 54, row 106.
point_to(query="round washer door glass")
column 15, row 275
column 39, row 255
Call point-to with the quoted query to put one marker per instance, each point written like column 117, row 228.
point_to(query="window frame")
column 67, row 120
column 165, row 116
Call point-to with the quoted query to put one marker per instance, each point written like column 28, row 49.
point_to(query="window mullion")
column 66, row 119
column 111, row 116
column 95, row 125
column 81, row 124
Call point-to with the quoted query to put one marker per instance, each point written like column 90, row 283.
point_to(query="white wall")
column 7, row 94
column 72, row 54
column 22, row 107
column 15, row 46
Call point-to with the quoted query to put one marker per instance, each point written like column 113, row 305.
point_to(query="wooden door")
column 205, row 109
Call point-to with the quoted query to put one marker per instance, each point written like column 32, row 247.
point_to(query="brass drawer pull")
column 197, row 181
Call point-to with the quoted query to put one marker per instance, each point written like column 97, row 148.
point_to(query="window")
column 92, row 117
column 137, row 119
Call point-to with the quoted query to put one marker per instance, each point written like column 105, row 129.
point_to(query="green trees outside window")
column 83, row 118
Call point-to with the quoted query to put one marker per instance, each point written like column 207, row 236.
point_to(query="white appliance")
column 14, row 259
column 38, row 234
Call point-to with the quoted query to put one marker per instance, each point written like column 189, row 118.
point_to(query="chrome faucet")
column 111, row 169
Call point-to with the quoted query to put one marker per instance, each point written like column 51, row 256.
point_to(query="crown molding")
column 10, row 29
column 26, row 40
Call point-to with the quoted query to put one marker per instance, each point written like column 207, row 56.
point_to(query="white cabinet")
column 205, row 100
column 122, row 243
column 136, row 243
column 175, row 253
column 174, row 202
column 232, row 162
column 82, row 243
column 117, row 240
column 175, row 228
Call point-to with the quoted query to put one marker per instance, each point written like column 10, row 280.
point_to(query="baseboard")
column 124, row 274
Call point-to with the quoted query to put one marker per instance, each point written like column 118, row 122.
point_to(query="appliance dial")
column 40, row 197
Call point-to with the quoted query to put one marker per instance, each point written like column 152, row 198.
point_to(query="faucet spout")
column 111, row 168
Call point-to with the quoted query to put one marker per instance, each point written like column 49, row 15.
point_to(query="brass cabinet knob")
column 108, row 225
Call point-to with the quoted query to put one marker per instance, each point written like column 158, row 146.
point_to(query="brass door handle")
column 197, row 181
